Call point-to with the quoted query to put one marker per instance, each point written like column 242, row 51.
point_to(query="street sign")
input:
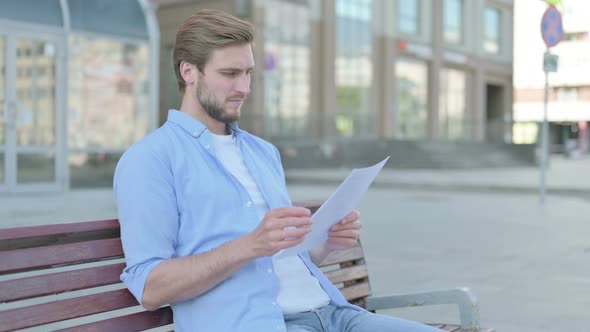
column 550, row 62
column 551, row 26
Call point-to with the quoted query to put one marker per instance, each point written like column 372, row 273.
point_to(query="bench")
column 65, row 277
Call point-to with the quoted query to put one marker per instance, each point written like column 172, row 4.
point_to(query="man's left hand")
column 345, row 233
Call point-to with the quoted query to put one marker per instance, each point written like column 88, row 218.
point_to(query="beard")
column 213, row 107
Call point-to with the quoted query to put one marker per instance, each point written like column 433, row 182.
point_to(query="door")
column 494, row 113
column 31, row 94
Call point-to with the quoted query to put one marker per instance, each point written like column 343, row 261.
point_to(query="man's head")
column 213, row 53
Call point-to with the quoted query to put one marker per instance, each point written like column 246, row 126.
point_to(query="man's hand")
column 342, row 235
column 345, row 233
column 280, row 229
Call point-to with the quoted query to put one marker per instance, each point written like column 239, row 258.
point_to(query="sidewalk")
column 563, row 177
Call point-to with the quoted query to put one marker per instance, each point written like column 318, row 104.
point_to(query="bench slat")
column 57, row 311
column 34, row 258
column 135, row 322
column 356, row 291
column 57, row 229
column 347, row 274
column 340, row 256
column 55, row 283
column 37, row 236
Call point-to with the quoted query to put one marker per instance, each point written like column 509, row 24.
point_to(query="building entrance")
column 32, row 83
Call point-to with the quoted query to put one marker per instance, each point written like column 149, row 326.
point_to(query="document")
column 338, row 205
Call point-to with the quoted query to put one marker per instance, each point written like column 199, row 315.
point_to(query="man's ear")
column 188, row 71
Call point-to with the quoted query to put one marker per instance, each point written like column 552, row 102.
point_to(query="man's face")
column 224, row 84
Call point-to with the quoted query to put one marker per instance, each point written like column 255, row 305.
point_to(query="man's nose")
column 243, row 84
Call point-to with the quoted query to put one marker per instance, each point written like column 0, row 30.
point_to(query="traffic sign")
column 551, row 26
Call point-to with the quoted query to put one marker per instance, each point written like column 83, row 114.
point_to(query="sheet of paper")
column 340, row 203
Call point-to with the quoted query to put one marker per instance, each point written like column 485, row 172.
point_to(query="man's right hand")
column 281, row 228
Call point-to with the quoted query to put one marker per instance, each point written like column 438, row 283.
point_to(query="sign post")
column 552, row 32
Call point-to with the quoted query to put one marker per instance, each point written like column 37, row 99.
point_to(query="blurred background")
column 340, row 83
column 452, row 90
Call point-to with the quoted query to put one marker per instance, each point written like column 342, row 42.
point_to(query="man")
column 203, row 207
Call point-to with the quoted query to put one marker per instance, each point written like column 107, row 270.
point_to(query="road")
column 529, row 266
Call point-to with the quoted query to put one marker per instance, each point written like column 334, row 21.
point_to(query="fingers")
column 343, row 239
column 280, row 229
column 355, row 224
column 347, row 234
column 289, row 211
column 291, row 233
column 281, row 239
column 352, row 216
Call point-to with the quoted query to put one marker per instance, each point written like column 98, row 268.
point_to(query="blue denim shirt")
column 176, row 199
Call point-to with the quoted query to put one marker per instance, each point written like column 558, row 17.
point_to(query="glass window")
column 491, row 39
column 567, row 94
column 576, row 36
column 453, row 21
column 46, row 12
column 525, row 132
column 2, row 93
column 287, row 68
column 452, row 97
column 108, row 95
column 411, row 119
column 35, row 167
column 2, row 176
column 171, row 98
column 112, row 17
column 354, row 44
column 408, row 17
column 92, row 169
column 36, row 109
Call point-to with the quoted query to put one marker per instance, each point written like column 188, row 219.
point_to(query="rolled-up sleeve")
column 148, row 214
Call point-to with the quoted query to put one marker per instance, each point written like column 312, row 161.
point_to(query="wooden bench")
column 65, row 277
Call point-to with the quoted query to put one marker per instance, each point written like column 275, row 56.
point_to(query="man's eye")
column 230, row 73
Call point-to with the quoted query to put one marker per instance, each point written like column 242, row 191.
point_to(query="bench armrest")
column 463, row 297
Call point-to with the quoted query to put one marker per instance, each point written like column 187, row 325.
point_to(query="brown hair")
column 205, row 31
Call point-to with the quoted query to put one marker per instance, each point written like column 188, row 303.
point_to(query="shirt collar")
column 192, row 125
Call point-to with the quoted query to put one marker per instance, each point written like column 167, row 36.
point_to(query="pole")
column 544, row 139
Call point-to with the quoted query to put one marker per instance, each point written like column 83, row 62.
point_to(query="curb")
column 482, row 188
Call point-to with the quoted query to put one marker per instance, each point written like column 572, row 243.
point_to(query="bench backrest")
column 56, row 273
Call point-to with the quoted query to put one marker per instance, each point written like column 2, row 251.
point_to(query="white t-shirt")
column 299, row 290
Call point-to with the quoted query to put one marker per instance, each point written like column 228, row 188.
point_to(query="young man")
column 203, row 207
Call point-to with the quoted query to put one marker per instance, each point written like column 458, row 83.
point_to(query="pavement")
column 563, row 177
column 566, row 177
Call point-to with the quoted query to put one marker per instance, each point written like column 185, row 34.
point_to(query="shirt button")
column 207, row 146
column 249, row 204
column 195, row 134
column 269, row 270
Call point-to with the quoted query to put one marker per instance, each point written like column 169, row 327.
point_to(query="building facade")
column 81, row 81
column 568, row 107
column 78, row 86
column 369, row 69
